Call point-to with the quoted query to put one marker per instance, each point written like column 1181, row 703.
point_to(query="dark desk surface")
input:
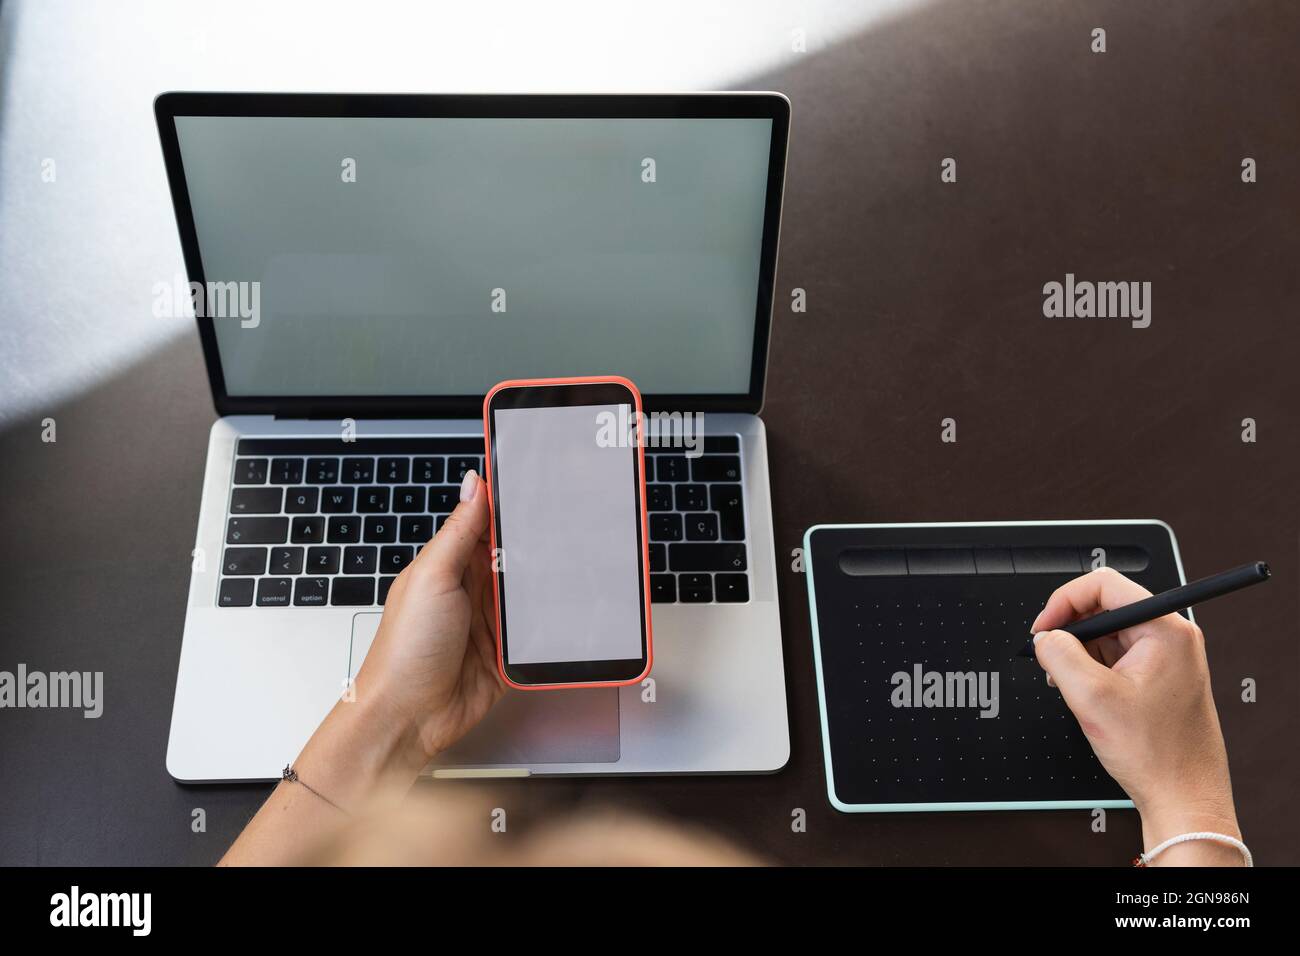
column 924, row 302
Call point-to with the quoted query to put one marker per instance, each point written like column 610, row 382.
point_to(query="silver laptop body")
column 375, row 304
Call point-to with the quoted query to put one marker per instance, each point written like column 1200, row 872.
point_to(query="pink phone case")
column 645, row 530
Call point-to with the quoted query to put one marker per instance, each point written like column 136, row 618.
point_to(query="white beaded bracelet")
column 1145, row 858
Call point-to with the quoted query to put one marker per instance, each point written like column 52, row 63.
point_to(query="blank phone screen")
column 567, row 504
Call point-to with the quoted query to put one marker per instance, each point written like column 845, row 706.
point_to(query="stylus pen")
column 1158, row 605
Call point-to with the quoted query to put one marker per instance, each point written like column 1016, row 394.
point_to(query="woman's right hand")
column 1143, row 699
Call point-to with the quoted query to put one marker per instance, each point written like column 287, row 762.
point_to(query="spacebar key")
column 706, row 557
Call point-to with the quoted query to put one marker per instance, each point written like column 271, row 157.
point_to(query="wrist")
column 413, row 726
column 1171, row 818
column 361, row 748
column 387, row 734
column 1204, row 816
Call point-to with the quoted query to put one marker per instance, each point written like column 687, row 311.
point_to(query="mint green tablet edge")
column 843, row 807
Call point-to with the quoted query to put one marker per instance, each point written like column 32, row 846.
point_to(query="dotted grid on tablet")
column 917, row 754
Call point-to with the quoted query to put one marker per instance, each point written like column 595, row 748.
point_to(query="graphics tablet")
column 924, row 703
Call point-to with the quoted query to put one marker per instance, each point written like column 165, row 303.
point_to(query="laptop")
column 362, row 269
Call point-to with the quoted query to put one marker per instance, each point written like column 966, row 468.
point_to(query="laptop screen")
column 409, row 256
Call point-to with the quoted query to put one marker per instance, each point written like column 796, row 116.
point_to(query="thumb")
column 456, row 541
column 1076, row 672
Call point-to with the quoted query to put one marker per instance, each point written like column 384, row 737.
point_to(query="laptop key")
column 659, row 497
column 360, row 560
column 307, row 530
column 658, row 557
column 250, row 471
column 702, row 527
column 299, row 501
column 731, row 588
column 456, row 468
column 394, row 471
column 695, row 588
column 666, row 527
column 694, row 556
column 372, row 500
column 345, row 529
column 384, row 585
column 255, row 501
column 353, row 592
column 337, row 501
column 286, row 471
column 716, row 468
column 443, row 498
column 692, row 497
column 715, row 444
column 323, row 560
column 408, row 499
column 274, row 592
column 663, row 589
column 358, row 471
column 429, row 471
column 286, row 560
column 415, row 529
column 382, row 530
column 235, row 592
column 322, row 471
column 244, row 561
column 671, row 467
column 729, row 504
column 649, row 468
column 393, row 559
column 256, row 530
column 311, row 592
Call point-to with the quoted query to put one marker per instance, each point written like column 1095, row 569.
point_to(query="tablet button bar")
column 873, row 562
column 993, row 561
column 940, row 561
column 1126, row 559
column 953, row 562
column 1046, row 560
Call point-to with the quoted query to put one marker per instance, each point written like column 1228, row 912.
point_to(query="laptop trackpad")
column 526, row 727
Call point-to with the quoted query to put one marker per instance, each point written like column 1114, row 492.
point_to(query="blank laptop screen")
column 400, row 256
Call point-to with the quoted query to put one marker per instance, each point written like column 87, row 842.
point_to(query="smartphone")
column 566, row 475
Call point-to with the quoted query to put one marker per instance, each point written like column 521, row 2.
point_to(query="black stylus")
column 1158, row 605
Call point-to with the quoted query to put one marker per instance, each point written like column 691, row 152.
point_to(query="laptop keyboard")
column 696, row 512
column 317, row 522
